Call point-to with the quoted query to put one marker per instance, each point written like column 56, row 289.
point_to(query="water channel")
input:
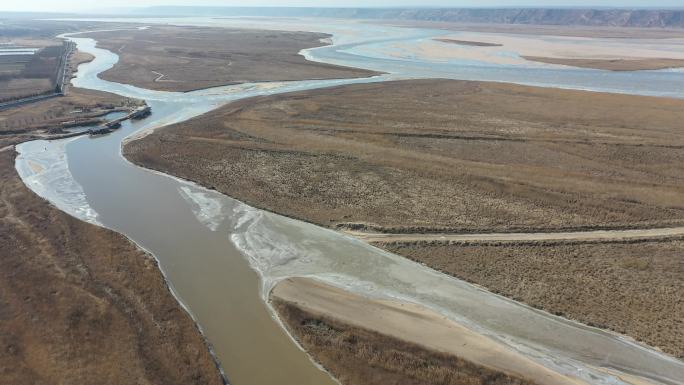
column 221, row 257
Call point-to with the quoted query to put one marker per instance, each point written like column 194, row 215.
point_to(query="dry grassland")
column 439, row 156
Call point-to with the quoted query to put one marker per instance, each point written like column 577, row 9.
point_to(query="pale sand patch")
column 414, row 324
column 35, row 167
column 512, row 48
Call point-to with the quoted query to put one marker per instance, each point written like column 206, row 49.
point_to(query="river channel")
column 221, row 257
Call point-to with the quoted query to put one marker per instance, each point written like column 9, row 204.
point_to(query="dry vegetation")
column 82, row 305
column 439, row 155
column 189, row 58
column 632, row 288
column 357, row 356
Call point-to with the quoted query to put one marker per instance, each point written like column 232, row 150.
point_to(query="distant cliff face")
column 673, row 18
column 583, row 17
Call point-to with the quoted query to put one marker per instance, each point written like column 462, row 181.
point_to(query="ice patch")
column 43, row 167
column 207, row 209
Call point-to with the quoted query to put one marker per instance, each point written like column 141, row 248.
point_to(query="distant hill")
column 606, row 17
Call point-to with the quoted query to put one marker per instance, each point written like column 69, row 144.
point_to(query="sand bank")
column 415, row 324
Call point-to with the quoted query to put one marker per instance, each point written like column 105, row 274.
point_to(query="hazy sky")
column 83, row 5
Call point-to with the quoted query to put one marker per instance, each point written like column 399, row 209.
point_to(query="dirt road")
column 512, row 237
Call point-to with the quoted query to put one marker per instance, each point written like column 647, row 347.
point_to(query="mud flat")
column 190, row 58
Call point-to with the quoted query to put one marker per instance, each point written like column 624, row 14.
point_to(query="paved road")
column 565, row 236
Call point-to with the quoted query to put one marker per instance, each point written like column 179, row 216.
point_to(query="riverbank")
column 409, row 148
column 363, row 341
column 182, row 59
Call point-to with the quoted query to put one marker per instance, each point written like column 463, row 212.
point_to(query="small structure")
column 142, row 113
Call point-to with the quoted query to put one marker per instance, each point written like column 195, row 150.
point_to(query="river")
column 221, row 257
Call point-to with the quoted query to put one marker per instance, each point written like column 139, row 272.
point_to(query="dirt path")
column 562, row 236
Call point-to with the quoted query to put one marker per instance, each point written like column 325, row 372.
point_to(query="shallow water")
column 213, row 249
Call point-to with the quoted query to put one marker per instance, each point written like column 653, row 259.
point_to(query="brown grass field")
column 356, row 356
column 439, row 155
column 189, row 58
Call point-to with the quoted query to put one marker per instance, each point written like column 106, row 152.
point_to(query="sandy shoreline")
column 418, row 325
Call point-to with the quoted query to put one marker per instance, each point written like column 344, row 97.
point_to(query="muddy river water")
column 221, row 257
